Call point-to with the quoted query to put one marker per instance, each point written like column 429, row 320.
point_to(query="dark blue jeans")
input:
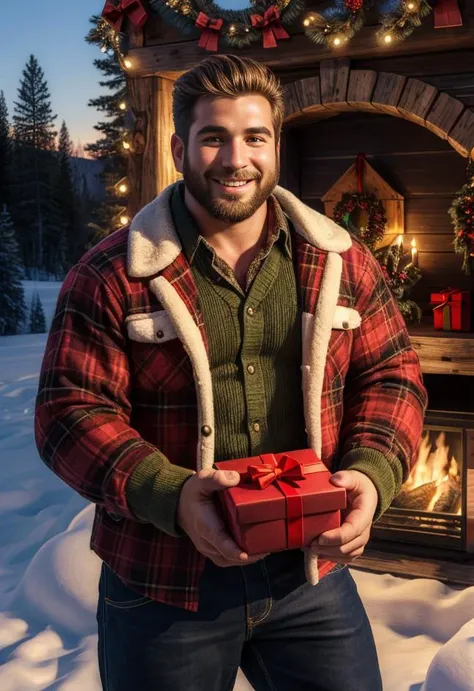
column 284, row 633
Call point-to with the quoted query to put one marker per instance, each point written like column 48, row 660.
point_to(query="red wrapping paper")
column 287, row 513
column 452, row 310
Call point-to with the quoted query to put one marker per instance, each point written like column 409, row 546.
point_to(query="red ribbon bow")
column 270, row 25
column 280, row 472
column 210, row 31
column 115, row 14
column 287, row 468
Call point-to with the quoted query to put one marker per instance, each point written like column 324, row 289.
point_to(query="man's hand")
column 346, row 543
column 198, row 517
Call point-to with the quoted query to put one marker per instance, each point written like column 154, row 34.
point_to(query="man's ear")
column 177, row 151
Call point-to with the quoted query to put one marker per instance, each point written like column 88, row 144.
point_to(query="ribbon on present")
column 271, row 26
column 282, row 473
column 210, row 31
column 115, row 13
column 447, row 14
column 445, row 305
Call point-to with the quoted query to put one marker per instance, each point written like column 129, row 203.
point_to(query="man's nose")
column 234, row 154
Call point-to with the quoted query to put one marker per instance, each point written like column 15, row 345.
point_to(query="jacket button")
column 159, row 334
column 345, row 325
column 251, row 369
column 206, row 431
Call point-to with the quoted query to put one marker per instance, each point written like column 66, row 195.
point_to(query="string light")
column 337, row 41
column 123, row 106
column 128, row 63
column 387, row 38
column 103, row 49
column 124, row 220
column 123, row 188
column 126, row 145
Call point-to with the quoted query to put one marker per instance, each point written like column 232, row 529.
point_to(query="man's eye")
column 256, row 139
column 212, row 139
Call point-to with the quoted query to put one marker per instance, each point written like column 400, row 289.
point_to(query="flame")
column 434, row 464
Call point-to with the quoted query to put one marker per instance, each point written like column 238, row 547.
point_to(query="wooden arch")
column 339, row 89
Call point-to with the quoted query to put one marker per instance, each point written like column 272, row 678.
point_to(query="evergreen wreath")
column 344, row 18
column 373, row 232
column 237, row 28
column 462, row 217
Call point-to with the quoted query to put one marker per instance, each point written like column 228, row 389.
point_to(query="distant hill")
column 86, row 175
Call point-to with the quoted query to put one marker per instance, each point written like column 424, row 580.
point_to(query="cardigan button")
column 206, row 431
column 345, row 325
column 159, row 334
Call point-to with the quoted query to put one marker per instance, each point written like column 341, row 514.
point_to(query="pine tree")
column 12, row 299
column 34, row 119
column 67, row 202
column 34, row 208
column 5, row 153
column 109, row 147
column 37, row 318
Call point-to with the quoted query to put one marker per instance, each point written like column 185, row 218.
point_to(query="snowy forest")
column 49, row 216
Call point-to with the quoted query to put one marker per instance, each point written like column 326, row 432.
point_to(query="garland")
column 462, row 217
column 237, row 28
column 340, row 22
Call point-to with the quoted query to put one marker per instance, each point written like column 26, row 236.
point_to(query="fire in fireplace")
column 435, row 504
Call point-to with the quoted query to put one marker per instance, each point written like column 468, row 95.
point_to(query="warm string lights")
column 338, row 24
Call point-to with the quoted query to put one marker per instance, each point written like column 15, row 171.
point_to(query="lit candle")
column 399, row 241
column 414, row 253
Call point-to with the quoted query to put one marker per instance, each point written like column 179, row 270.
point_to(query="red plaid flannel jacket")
column 105, row 401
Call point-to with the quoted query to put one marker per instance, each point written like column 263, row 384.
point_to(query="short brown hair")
column 225, row 76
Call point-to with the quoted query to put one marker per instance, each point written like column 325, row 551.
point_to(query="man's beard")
column 229, row 208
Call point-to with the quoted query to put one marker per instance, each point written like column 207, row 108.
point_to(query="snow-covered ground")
column 48, row 575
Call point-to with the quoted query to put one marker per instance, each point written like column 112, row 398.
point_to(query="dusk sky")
column 54, row 31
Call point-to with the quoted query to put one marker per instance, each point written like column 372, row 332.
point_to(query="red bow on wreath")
column 270, row 25
column 114, row 14
column 211, row 29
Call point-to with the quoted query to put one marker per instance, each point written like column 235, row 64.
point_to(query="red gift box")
column 283, row 501
column 452, row 309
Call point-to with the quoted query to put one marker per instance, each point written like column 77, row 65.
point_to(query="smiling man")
column 228, row 321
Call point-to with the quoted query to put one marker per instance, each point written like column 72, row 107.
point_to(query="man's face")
column 231, row 163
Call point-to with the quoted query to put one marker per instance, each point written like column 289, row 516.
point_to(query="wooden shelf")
column 443, row 352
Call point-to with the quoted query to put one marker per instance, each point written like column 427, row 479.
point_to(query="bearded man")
column 229, row 320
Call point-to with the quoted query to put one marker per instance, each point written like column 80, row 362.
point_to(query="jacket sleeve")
column 384, row 399
column 82, row 413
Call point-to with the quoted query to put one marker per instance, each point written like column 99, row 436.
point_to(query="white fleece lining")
column 153, row 243
column 313, row 371
column 145, row 327
column 189, row 334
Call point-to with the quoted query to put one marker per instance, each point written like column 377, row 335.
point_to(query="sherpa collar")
column 153, row 243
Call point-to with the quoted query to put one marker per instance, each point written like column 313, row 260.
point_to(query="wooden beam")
column 179, row 56
column 461, row 136
column 151, row 166
column 334, row 77
column 387, row 92
column 443, row 114
column 416, row 100
column 361, row 88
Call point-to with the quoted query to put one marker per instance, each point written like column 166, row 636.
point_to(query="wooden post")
column 151, row 167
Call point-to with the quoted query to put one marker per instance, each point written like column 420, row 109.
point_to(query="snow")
column 424, row 630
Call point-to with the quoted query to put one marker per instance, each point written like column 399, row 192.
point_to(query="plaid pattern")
column 105, row 402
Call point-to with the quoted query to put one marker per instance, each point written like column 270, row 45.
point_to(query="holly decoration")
column 401, row 275
column 462, row 218
column 264, row 21
column 373, row 232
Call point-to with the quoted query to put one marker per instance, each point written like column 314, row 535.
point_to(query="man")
column 230, row 320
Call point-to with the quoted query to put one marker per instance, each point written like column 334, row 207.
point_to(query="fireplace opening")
column 429, row 507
